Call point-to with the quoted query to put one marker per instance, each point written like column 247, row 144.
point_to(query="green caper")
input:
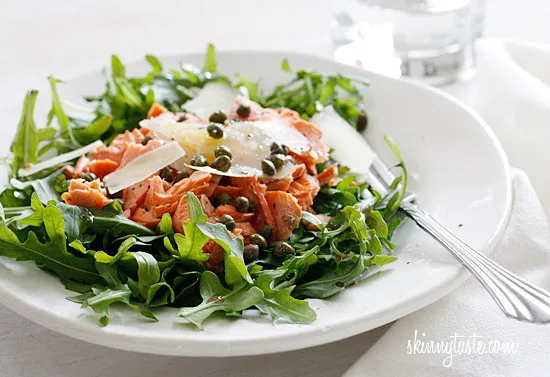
column 199, row 160
column 266, row 231
column 251, row 253
column 222, row 150
column 252, row 207
column 278, row 160
column 361, row 122
column 228, row 221
column 214, row 131
column 224, row 198
column 282, row 250
column 218, row 117
column 145, row 140
column 258, row 239
column 277, row 148
column 88, row 176
column 243, row 111
column 242, row 204
column 268, row 167
column 181, row 175
column 167, row 174
column 222, row 163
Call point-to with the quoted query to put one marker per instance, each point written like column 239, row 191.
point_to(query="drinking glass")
column 429, row 40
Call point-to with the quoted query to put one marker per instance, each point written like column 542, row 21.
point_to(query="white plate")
column 456, row 166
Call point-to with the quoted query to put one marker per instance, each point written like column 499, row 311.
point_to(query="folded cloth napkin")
column 466, row 334
column 447, row 338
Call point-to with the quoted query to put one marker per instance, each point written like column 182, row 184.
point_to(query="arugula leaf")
column 252, row 90
column 381, row 260
column 77, row 220
column 280, row 305
column 395, row 201
column 332, row 282
column 235, row 268
column 161, row 293
column 110, row 221
column 190, row 246
column 51, row 255
column 36, row 219
column 122, row 252
column 25, row 144
column 148, row 271
column 210, row 64
column 43, row 187
column 155, row 63
column 94, row 131
column 218, row 298
column 165, row 226
column 57, row 110
column 15, row 198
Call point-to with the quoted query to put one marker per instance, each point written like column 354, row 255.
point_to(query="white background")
column 66, row 38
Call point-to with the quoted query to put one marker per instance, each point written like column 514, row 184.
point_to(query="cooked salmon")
column 101, row 167
column 305, row 189
column 86, row 194
column 286, row 212
column 255, row 192
column 328, row 174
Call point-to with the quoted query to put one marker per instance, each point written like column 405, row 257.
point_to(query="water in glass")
column 430, row 40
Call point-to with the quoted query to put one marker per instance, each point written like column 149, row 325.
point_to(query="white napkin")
column 513, row 95
column 512, row 90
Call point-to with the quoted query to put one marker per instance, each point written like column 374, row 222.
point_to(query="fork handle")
column 515, row 296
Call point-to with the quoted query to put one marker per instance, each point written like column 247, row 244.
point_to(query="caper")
column 222, row 150
column 218, row 117
column 252, row 207
column 268, row 167
column 181, row 175
column 258, row 239
column 266, row 231
column 277, row 148
column 88, row 176
column 181, row 117
column 214, row 131
column 282, row 250
column 224, row 198
column 228, row 221
column 251, row 253
column 222, row 163
column 243, row 111
column 199, row 160
column 167, row 174
column 145, row 140
column 278, row 160
column 242, row 204
column 361, row 122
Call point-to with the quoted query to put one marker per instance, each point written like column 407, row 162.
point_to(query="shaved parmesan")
column 212, row 97
column 35, row 168
column 143, row 167
column 232, row 172
column 249, row 142
column 350, row 148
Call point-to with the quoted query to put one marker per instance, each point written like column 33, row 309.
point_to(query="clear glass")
column 430, row 40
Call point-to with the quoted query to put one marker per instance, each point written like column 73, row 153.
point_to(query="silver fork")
column 515, row 296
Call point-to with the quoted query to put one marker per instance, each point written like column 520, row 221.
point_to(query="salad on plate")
column 194, row 190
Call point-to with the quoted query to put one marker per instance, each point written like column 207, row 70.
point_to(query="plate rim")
column 81, row 330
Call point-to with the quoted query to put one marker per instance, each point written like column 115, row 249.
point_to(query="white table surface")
column 68, row 37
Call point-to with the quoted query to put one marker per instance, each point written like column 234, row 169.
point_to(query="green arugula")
column 51, row 255
column 218, row 298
